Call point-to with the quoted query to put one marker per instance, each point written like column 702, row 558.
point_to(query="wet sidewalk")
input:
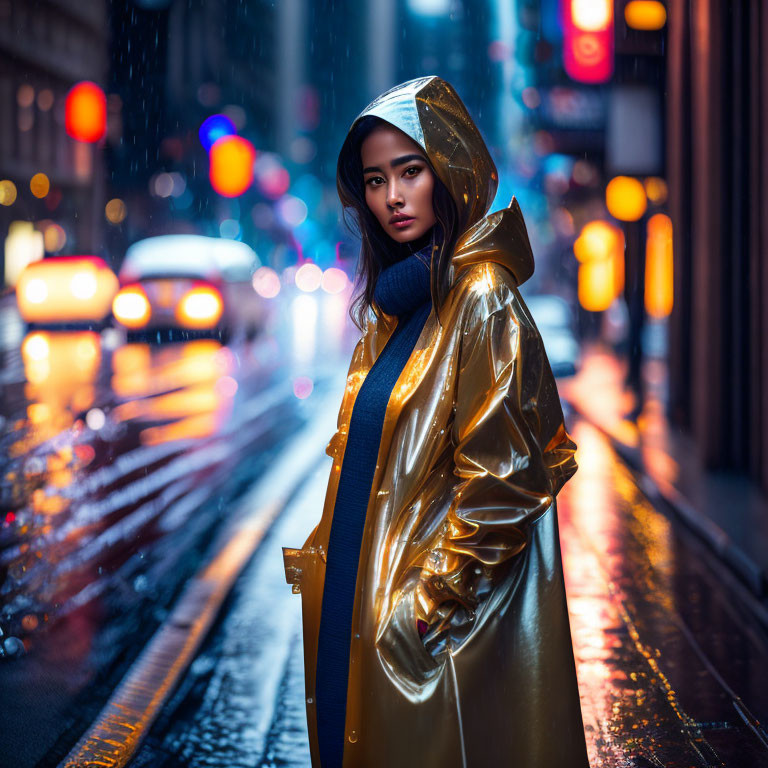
column 723, row 509
column 671, row 663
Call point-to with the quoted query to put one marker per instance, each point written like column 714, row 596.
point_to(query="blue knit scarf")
column 403, row 286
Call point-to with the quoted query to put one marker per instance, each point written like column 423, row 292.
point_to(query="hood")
column 429, row 111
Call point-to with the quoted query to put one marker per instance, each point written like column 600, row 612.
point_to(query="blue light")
column 214, row 128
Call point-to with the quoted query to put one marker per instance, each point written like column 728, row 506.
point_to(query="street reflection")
column 639, row 635
column 60, row 370
column 117, row 449
column 187, row 385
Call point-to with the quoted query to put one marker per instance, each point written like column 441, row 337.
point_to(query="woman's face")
column 398, row 183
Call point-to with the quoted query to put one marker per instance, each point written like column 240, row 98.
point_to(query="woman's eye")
column 373, row 178
column 413, row 168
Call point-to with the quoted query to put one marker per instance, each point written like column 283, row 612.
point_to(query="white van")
column 190, row 282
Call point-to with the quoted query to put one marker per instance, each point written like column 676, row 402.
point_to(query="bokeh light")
column 531, row 97
column 39, row 185
column 45, row 99
column 291, row 210
column 54, row 237
column 25, row 96
column 86, row 112
column 231, row 165
column 625, row 198
column 167, row 184
column 272, row 178
column 115, row 211
column 600, row 249
column 591, row 15
column 647, row 15
column 95, row 419
column 230, row 229
column 656, row 189
column 659, row 267
column 8, row 192
column 598, row 240
column 302, row 387
column 308, row 277
column 334, row 280
column 596, row 284
column 161, row 185
column 226, row 386
column 214, row 128
column 303, row 150
column 266, row 282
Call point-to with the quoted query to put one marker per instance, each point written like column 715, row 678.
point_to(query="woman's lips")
column 402, row 224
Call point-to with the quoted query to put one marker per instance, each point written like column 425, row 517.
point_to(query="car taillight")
column 131, row 307
column 200, row 307
column 35, row 290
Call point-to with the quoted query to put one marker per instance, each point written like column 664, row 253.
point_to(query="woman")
column 435, row 624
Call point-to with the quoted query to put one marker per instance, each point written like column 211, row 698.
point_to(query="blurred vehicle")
column 66, row 291
column 554, row 320
column 189, row 282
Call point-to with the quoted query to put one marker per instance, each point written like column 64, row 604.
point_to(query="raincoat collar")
column 429, row 111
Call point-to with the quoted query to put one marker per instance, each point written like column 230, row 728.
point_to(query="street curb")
column 750, row 573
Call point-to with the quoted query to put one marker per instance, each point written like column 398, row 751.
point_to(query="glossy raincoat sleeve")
column 512, row 453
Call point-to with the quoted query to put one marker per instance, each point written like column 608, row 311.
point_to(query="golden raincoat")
column 462, row 507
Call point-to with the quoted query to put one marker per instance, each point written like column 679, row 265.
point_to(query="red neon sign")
column 588, row 40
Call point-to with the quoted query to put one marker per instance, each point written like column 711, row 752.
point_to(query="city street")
column 670, row 663
column 130, row 458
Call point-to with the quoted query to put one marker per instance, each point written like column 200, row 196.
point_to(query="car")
column 554, row 319
column 189, row 282
column 67, row 292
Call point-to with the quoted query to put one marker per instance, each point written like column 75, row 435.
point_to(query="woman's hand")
column 437, row 595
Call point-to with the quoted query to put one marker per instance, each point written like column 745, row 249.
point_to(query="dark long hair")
column 377, row 249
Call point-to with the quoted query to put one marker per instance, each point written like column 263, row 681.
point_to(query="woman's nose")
column 394, row 195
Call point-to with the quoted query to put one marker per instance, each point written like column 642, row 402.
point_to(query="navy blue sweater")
column 402, row 289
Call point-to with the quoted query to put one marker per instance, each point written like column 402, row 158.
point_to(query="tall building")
column 45, row 48
column 718, row 167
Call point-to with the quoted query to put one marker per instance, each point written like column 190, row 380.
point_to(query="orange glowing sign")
column 625, row 198
column 600, row 251
column 596, row 284
column 659, row 266
column 85, row 113
column 645, row 14
column 231, row 165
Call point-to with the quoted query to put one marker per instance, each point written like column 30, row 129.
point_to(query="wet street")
column 671, row 667
column 121, row 461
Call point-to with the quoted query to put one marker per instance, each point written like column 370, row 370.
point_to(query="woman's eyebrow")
column 394, row 163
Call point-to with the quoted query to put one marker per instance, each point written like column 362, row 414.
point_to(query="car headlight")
column 131, row 307
column 200, row 307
